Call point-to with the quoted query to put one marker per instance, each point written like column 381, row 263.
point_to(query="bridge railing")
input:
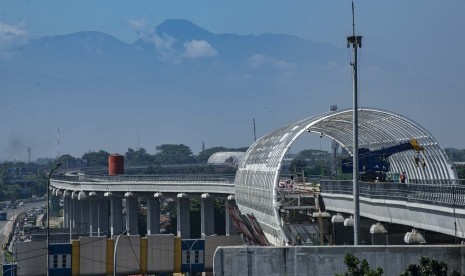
column 171, row 178
column 446, row 195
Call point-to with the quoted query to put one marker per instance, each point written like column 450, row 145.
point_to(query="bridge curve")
column 168, row 184
column 255, row 184
column 258, row 174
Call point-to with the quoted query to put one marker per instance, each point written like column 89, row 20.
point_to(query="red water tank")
column 115, row 164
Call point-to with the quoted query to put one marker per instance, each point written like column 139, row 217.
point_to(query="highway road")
column 11, row 213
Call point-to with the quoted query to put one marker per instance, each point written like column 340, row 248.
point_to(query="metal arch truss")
column 257, row 177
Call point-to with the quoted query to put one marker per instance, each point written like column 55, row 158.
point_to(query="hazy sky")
column 420, row 34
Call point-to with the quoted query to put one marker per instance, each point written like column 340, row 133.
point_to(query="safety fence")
column 192, row 178
column 446, row 195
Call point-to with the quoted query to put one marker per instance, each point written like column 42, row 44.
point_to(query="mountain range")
column 177, row 83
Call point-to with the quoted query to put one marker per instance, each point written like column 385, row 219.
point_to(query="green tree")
column 40, row 188
column 96, row 159
column 314, row 162
column 137, row 157
column 355, row 267
column 460, row 171
column 174, row 154
column 155, row 169
column 428, row 267
column 455, row 155
column 67, row 161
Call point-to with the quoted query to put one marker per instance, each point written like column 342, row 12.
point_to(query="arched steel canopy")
column 258, row 173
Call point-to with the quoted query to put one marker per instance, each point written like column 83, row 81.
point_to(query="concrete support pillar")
column 66, row 211
column 76, row 206
column 85, row 217
column 378, row 234
column 207, row 216
column 347, row 233
column 183, row 216
column 71, row 218
column 153, row 216
column 93, row 218
column 116, row 216
column 337, row 222
column 102, row 217
column 230, row 229
column 132, row 225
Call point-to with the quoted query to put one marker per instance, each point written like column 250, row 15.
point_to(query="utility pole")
column 356, row 42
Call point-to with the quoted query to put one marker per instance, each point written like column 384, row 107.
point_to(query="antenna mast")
column 254, row 131
column 356, row 42
column 58, row 143
column 138, row 138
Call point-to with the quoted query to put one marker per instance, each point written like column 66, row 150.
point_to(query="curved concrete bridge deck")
column 170, row 184
column 97, row 204
column 435, row 207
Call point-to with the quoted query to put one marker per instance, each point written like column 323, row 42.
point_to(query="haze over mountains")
column 179, row 83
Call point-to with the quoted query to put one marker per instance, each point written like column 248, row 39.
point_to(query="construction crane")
column 373, row 164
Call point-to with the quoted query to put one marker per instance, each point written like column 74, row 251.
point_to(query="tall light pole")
column 48, row 215
column 356, row 42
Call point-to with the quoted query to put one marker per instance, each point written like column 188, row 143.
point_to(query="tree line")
column 165, row 154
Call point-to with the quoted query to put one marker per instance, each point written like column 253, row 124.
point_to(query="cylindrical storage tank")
column 115, row 164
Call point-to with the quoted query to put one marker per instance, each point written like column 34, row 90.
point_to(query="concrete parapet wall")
column 92, row 255
column 213, row 242
column 321, row 261
column 160, row 253
column 31, row 258
column 135, row 255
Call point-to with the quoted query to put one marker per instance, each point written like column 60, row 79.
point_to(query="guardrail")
column 446, row 195
column 219, row 178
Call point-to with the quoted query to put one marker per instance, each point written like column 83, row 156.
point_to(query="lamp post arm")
column 115, row 251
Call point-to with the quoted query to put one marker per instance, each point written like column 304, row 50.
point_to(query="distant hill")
column 177, row 74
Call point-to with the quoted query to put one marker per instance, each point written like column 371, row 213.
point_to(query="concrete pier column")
column 132, row 225
column 348, row 231
column 74, row 214
column 337, row 222
column 183, row 216
column 76, row 206
column 378, row 234
column 116, row 216
column 85, row 217
column 153, row 216
column 93, row 218
column 207, row 215
column 102, row 217
column 66, row 211
column 229, row 226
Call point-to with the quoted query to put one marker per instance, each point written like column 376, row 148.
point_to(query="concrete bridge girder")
column 416, row 215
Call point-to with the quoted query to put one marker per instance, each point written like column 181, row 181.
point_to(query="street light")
column 48, row 215
column 115, row 251
column 190, row 248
